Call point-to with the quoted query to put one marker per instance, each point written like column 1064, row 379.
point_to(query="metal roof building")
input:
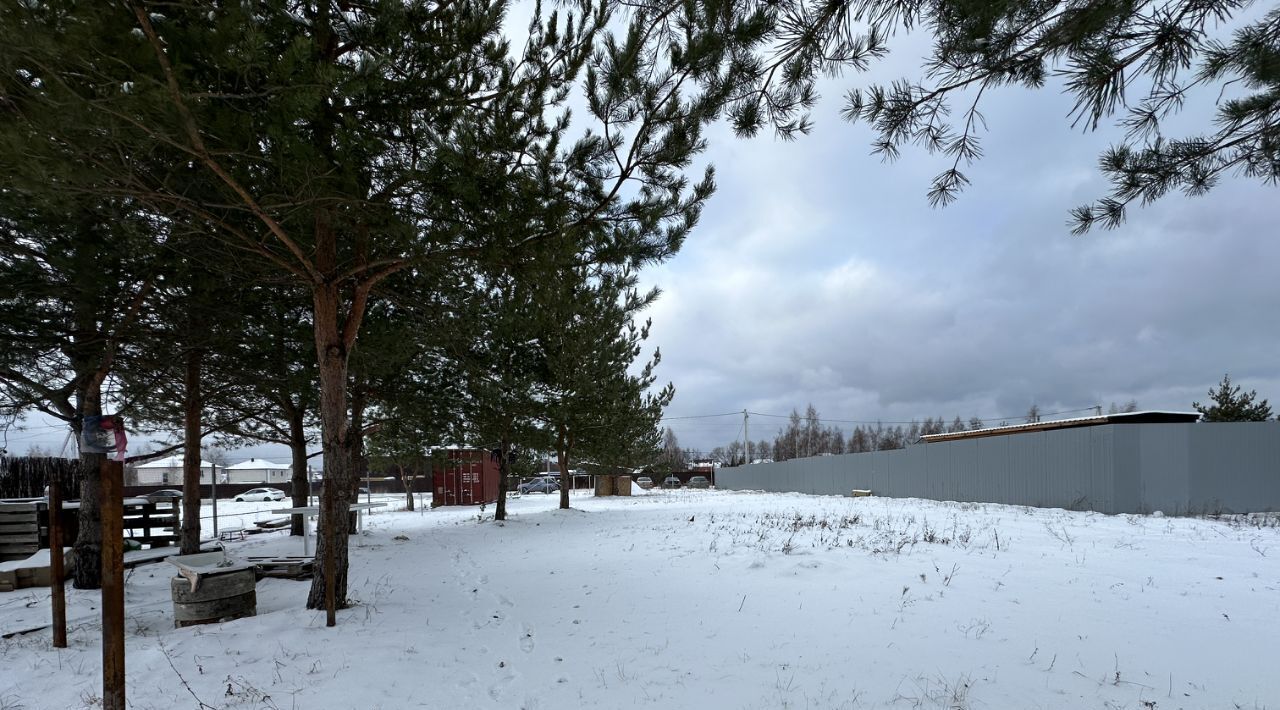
column 1145, row 417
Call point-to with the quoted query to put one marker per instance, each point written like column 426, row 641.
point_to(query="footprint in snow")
column 505, row 677
column 526, row 638
column 495, row 619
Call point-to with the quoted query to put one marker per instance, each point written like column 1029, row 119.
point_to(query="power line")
column 703, row 416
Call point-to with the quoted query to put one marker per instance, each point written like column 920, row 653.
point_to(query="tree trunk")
column 407, row 482
column 193, row 408
column 301, row 482
column 333, row 356
column 87, row 550
column 335, row 538
column 504, row 470
column 563, row 442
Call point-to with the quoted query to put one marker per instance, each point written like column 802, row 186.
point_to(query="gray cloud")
column 820, row 275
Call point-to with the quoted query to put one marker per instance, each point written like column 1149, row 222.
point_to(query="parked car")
column 699, row 482
column 671, row 482
column 644, row 482
column 544, row 484
column 262, row 494
column 163, row 494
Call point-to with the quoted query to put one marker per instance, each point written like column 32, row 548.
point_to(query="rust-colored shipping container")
column 468, row 477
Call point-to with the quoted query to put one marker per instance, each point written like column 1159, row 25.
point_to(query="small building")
column 168, row 471
column 465, row 477
column 259, row 471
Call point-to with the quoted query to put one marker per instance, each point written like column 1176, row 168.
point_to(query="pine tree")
column 590, row 341
column 1230, row 404
column 74, row 283
column 1140, row 60
column 344, row 144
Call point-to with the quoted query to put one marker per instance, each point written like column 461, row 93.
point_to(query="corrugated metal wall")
column 1113, row 468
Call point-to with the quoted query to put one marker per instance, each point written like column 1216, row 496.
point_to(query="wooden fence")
column 26, row 477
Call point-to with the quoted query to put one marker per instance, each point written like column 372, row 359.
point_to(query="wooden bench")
column 861, row 493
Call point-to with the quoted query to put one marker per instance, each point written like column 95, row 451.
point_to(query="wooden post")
column 112, row 476
column 56, row 591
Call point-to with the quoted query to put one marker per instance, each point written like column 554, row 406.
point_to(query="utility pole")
column 746, row 436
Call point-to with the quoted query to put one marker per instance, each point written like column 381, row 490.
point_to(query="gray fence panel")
column 1112, row 468
column 1235, row 467
column 1164, row 476
column 1125, row 489
column 963, row 472
column 1102, row 467
column 992, row 485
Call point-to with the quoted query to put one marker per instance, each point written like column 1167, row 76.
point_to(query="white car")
column 262, row 494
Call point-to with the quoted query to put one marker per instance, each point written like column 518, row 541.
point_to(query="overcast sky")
column 819, row 274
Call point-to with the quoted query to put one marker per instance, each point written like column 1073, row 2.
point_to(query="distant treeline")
column 806, row 435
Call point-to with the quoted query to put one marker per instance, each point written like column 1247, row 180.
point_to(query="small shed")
column 465, row 477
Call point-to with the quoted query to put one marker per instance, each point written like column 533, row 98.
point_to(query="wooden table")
column 307, row 511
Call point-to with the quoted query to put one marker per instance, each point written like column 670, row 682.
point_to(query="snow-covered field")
column 710, row 599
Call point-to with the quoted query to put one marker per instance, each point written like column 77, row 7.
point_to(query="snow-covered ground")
column 711, row 599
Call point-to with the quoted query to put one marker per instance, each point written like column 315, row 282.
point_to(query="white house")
column 169, row 471
column 259, row 471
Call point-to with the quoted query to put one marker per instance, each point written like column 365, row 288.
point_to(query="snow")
column 39, row 559
column 712, row 599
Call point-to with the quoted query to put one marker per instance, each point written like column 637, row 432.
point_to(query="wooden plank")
column 57, row 575
column 113, row 673
column 153, row 521
column 7, row 528
column 284, row 567
column 214, row 610
column 210, row 587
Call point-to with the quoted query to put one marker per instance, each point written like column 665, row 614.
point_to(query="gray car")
column 699, row 482
column 540, row 485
